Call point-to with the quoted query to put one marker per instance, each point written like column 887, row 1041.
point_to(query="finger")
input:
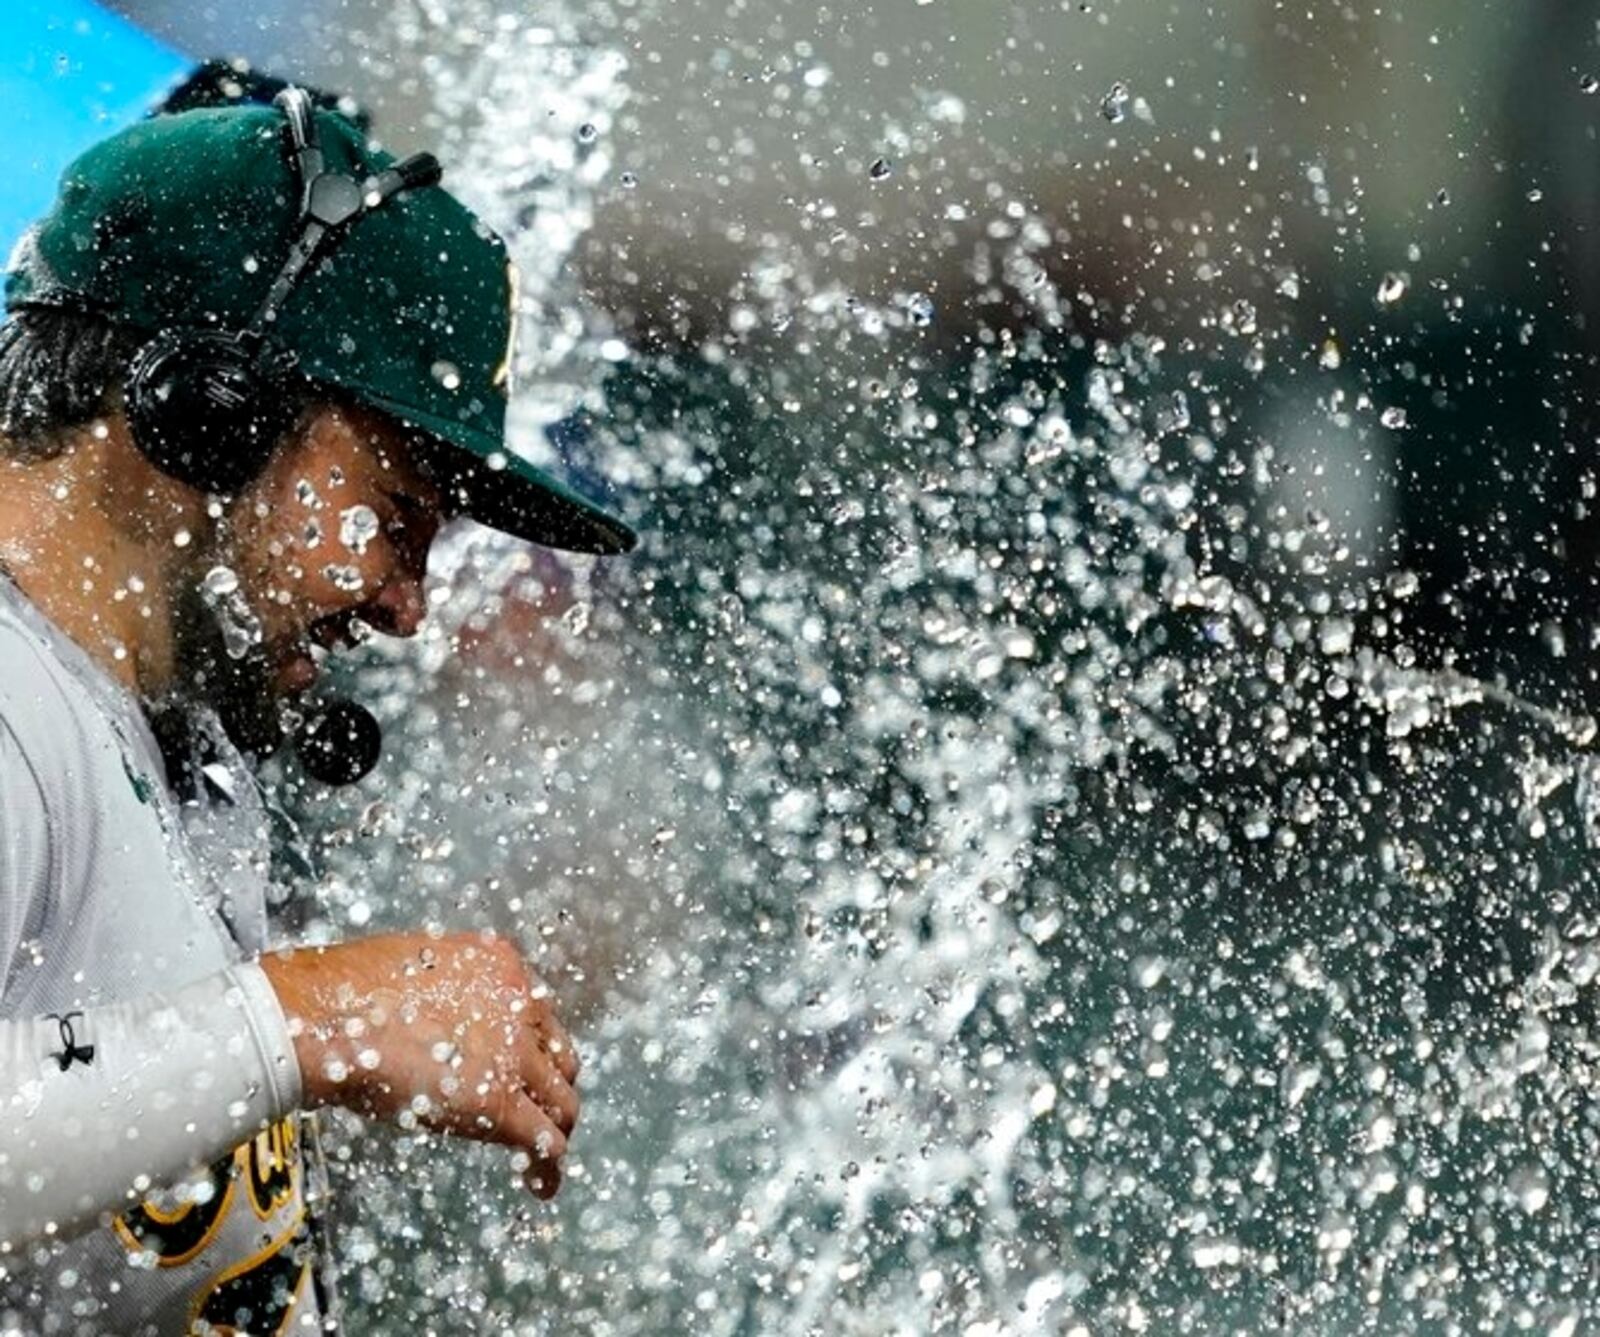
column 544, row 1181
column 536, row 1134
column 525, row 1125
column 545, row 1083
column 557, row 1043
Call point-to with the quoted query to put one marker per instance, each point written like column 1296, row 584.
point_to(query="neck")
column 77, row 536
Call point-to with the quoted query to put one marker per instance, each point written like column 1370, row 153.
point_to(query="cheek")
column 317, row 549
column 315, row 568
column 279, row 559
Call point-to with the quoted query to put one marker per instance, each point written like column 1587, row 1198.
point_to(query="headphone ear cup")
column 203, row 410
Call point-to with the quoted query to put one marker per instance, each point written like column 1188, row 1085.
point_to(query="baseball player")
column 250, row 364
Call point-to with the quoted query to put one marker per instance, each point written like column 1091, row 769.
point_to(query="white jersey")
column 152, row 1177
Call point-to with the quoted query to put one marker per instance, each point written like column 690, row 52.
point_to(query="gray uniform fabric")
column 159, row 1185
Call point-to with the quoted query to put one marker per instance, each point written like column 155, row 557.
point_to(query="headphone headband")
column 207, row 406
column 329, row 201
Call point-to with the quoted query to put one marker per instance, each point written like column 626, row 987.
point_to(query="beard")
column 217, row 666
column 220, row 662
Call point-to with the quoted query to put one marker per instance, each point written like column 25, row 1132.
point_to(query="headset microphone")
column 339, row 741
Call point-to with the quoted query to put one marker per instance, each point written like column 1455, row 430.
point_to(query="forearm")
column 177, row 1078
column 452, row 1029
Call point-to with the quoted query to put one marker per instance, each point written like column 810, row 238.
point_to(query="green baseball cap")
column 184, row 221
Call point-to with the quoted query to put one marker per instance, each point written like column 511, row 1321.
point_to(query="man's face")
column 334, row 532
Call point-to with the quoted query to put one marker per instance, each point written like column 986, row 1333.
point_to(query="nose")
column 401, row 605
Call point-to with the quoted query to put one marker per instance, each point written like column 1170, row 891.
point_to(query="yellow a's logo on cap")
column 502, row 373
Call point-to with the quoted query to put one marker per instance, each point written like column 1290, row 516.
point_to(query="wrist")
column 312, row 1033
column 274, row 1037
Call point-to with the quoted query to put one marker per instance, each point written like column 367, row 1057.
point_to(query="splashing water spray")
column 1004, row 865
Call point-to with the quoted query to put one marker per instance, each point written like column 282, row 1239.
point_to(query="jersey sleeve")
column 99, row 1106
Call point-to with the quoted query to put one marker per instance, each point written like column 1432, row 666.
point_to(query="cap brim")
column 516, row 498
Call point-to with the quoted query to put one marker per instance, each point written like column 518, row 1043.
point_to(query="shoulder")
column 37, row 732
column 58, row 730
column 63, row 777
column 40, row 706
column 26, row 837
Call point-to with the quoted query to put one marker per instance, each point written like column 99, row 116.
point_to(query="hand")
column 456, row 1029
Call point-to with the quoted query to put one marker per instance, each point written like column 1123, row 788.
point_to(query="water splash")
column 1082, row 908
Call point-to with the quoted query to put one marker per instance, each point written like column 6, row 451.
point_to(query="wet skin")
column 286, row 542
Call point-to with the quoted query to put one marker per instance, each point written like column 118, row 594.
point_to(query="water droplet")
column 920, row 306
column 629, row 180
column 447, row 374
column 1589, row 84
column 1392, row 289
column 240, row 628
column 1393, row 417
column 587, row 133
column 1180, row 411
column 346, row 578
column 1402, row 584
column 358, row 526
column 881, row 169
column 1530, row 1188
column 221, row 581
column 1114, row 105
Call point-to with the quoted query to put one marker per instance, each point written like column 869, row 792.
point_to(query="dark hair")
column 58, row 370
column 220, row 82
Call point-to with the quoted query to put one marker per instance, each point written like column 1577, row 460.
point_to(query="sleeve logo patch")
column 70, row 1048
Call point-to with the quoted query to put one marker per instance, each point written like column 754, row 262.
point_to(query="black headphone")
column 208, row 406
